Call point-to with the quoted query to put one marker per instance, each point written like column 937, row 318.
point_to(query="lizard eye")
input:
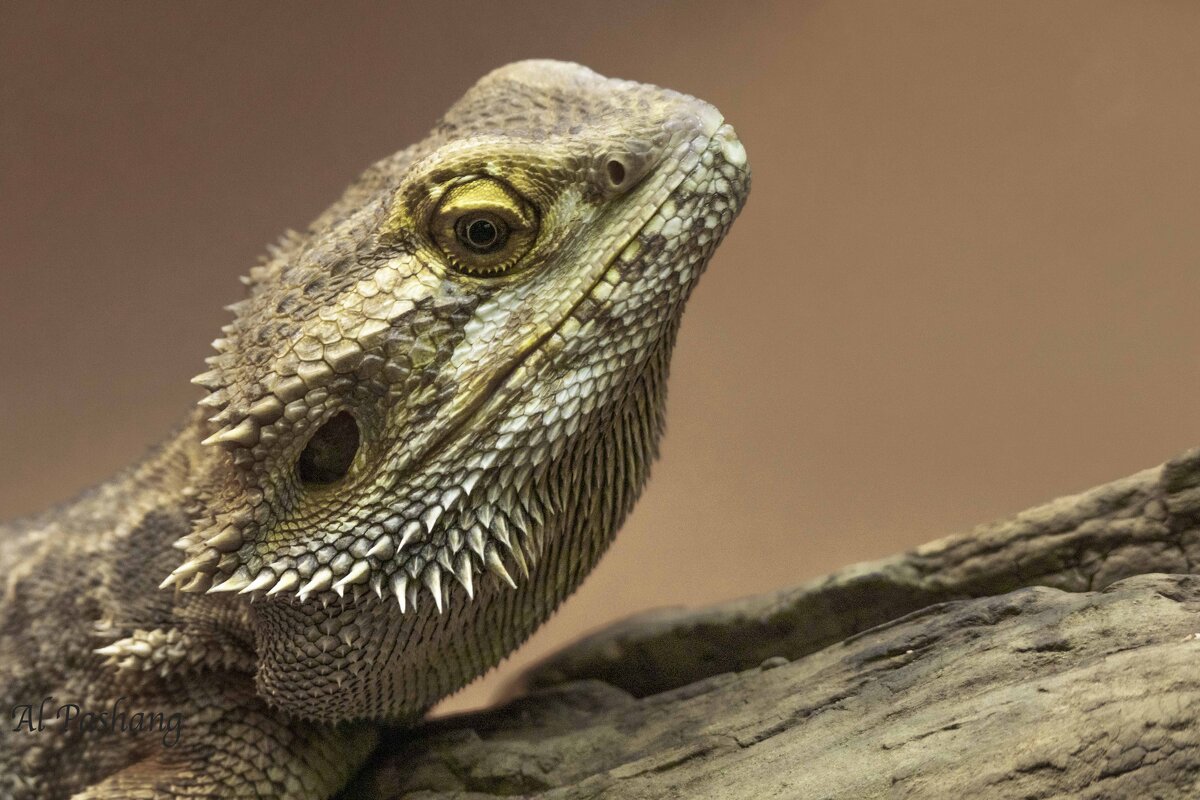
column 482, row 232
column 484, row 227
column 330, row 452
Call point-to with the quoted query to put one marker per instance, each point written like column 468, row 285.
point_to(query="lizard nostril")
column 619, row 170
column 330, row 452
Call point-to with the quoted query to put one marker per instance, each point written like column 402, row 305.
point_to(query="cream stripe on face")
column 512, row 324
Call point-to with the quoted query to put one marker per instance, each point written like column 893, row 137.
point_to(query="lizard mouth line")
column 479, row 407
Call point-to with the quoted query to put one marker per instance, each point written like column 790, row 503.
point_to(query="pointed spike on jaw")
column 450, row 497
column 222, row 418
column 210, row 380
column 410, row 530
column 462, row 571
column 267, row 409
column 433, row 582
column 400, row 589
column 356, row 574
column 382, row 549
column 518, row 557
column 227, row 541
column 321, row 580
column 288, row 580
column 215, row 401
column 431, row 516
column 492, row 559
column 261, row 581
column 244, row 433
column 198, row 584
column 476, row 540
column 234, row 583
column 191, row 568
column 499, row 526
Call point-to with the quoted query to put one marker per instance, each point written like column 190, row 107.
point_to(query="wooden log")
column 1045, row 656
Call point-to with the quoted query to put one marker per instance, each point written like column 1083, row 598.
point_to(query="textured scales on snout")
column 427, row 420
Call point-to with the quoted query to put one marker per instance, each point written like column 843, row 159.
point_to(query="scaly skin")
column 426, row 423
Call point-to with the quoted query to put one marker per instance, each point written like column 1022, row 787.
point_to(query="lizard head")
column 463, row 360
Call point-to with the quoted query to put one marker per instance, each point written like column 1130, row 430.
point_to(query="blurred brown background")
column 966, row 280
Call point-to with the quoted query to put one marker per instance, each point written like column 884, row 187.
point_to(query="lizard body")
column 424, row 426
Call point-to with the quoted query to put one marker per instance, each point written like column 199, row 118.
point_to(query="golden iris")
column 484, row 227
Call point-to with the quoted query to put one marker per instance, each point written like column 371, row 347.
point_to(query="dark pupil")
column 330, row 452
column 482, row 234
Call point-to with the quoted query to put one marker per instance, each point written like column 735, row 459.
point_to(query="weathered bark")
column 1033, row 658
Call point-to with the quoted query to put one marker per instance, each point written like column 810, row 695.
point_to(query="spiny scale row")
column 316, row 359
column 163, row 651
column 213, row 543
column 245, row 430
column 500, row 513
column 403, row 585
column 196, row 574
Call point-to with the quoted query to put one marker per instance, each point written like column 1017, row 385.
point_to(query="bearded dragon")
column 425, row 424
